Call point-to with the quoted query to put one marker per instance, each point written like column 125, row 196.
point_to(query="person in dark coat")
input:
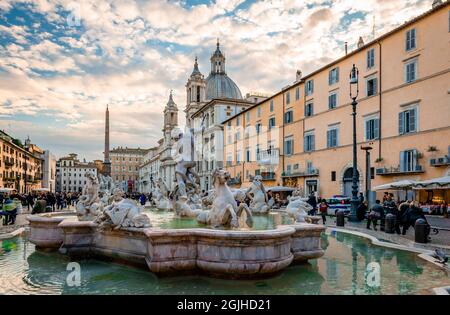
column 375, row 214
column 361, row 211
column 313, row 203
column 30, row 201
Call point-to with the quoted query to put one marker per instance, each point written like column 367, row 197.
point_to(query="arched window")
column 198, row 93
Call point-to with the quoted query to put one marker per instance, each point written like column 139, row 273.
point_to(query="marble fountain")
column 108, row 226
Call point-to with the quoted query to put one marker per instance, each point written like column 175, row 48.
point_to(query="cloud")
column 56, row 78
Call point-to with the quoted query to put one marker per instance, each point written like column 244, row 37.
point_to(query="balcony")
column 268, row 175
column 307, row 173
column 8, row 163
column 268, row 157
column 388, row 171
column 235, row 181
column 442, row 161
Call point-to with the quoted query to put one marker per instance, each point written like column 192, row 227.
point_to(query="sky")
column 62, row 62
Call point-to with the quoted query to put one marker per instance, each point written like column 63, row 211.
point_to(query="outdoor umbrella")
column 435, row 183
column 400, row 185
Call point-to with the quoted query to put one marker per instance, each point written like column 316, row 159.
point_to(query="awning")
column 434, row 183
column 280, row 189
column 5, row 190
column 41, row 189
column 400, row 185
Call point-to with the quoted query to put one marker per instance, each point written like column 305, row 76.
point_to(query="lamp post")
column 353, row 95
column 367, row 148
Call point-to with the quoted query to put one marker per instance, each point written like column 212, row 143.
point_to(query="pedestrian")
column 312, row 201
column 323, row 209
column 375, row 214
column 361, row 211
column 402, row 214
column 361, row 198
column 444, row 209
column 142, row 199
column 30, row 201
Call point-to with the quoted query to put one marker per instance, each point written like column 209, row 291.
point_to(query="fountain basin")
column 45, row 232
column 230, row 253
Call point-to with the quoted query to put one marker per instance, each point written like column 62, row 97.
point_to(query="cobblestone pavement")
column 441, row 240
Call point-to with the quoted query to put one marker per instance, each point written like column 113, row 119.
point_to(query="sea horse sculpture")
column 224, row 211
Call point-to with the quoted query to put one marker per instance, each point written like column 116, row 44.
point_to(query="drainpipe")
column 380, row 102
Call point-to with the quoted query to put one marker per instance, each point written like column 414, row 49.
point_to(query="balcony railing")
column 442, row 161
column 235, row 181
column 307, row 173
column 268, row 176
column 386, row 171
column 270, row 156
column 8, row 163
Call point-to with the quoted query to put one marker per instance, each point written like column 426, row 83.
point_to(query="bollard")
column 340, row 218
column 389, row 224
column 421, row 231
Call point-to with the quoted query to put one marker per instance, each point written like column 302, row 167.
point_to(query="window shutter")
column 328, row 138
column 403, row 161
column 413, row 38
column 414, row 160
column 412, row 120
column 337, row 74
column 330, row 77
column 313, row 143
column 305, row 144
column 368, row 130
column 376, row 128
column 401, row 123
column 407, row 40
column 375, row 87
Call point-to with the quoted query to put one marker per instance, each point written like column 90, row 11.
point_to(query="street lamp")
column 367, row 148
column 353, row 95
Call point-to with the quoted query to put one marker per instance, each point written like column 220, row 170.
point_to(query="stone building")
column 49, row 171
column 21, row 165
column 149, row 171
column 209, row 102
column 125, row 167
column 302, row 135
column 70, row 173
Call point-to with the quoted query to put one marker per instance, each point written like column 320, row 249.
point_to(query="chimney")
column 346, row 48
column 360, row 42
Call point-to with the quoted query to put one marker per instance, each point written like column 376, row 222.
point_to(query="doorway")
column 348, row 181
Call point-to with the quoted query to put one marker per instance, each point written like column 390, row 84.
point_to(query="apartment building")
column 71, row 173
column 149, row 171
column 20, row 164
column 302, row 135
column 125, row 167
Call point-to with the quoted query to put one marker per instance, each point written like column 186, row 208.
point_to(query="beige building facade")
column 21, row 166
column 302, row 136
column 125, row 164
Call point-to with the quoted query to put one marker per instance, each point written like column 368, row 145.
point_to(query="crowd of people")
column 12, row 203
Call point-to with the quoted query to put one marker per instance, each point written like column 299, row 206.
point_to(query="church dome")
column 219, row 85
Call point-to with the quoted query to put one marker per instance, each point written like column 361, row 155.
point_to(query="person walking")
column 323, row 209
column 375, row 214
column 142, row 199
column 312, row 200
column 30, row 201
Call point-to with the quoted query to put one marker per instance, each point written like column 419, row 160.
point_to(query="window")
column 229, row 125
column 309, row 167
column 309, row 109
column 259, row 111
column 333, row 76
column 332, row 137
column 407, row 121
column 372, row 131
column 230, row 139
column 309, row 87
column 258, row 128
column 238, row 135
column 371, row 87
column 288, row 98
column 309, row 143
column 411, row 39
column 247, row 154
column 288, row 117
column 271, row 122
column 297, row 93
column 238, row 120
column 271, row 106
column 229, row 159
column 370, row 58
column 289, row 145
column 332, row 100
column 257, row 152
column 238, row 157
column 333, row 176
column 288, row 169
column 408, row 160
column 411, row 71
column 247, row 116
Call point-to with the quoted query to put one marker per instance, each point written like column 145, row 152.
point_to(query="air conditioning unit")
column 441, row 160
column 433, row 162
column 379, row 171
